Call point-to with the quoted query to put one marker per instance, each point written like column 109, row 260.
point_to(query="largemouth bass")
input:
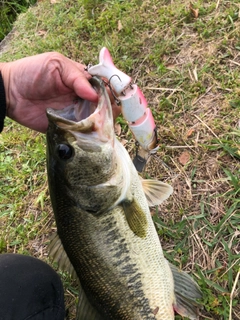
column 101, row 207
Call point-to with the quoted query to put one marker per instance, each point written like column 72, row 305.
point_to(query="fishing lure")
column 133, row 105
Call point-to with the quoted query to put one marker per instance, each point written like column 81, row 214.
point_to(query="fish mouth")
column 84, row 120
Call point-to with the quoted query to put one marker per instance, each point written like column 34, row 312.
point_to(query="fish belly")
column 122, row 275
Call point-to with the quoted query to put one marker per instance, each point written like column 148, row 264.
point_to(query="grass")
column 188, row 69
column 9, row 10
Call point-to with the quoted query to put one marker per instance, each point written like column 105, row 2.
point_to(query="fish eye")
column 65, row 151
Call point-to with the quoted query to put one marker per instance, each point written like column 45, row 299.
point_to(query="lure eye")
column 65, row 151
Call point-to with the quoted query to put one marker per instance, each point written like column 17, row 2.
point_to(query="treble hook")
column 111, row 89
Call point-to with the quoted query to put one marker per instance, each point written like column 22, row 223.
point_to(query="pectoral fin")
column 186, row 292
column 136, row 218
column 156, row 191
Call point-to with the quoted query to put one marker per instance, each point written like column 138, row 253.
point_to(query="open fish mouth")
column 80, row 148
column 86, row 120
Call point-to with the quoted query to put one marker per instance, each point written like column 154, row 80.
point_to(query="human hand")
column 48, row 80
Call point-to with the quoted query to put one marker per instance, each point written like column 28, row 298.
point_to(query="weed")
column 8, row 13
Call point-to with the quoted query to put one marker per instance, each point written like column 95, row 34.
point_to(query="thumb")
column 75, row 77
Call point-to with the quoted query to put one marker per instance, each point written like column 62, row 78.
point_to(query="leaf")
column 120, row 25
column 42, row 33
column 124, row 142
column 193, row 11
column 117, row 129
column 184, row 158
column 190, row 132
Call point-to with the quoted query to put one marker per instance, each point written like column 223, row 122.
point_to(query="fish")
column 105, row 232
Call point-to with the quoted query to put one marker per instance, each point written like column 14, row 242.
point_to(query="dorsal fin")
column 186, row 292
column 156, row 191
column 136, row 217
